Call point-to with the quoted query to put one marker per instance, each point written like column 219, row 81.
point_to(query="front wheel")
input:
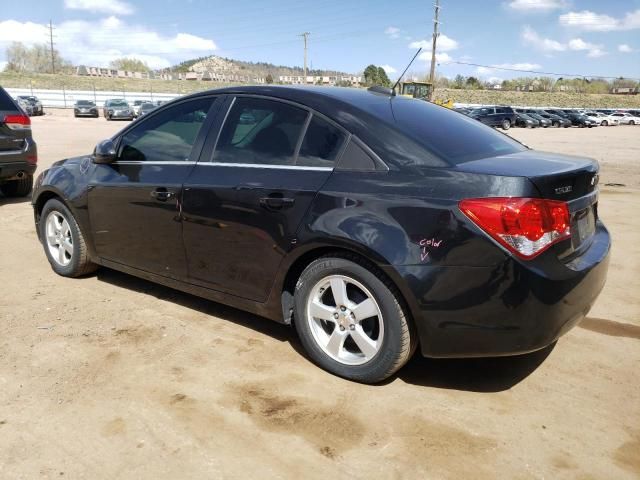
column 506, row 124
column 631, row 122
column 604, row 123
column 351, row 321
column 63, row 241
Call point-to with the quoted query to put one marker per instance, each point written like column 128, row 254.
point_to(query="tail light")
column 524, row 226
column 17, row 122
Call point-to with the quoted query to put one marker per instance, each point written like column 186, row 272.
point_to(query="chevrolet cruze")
column 373, row 223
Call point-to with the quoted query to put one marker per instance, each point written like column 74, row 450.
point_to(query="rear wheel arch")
column 295, row 270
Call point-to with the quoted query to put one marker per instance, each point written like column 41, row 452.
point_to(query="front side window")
column 260, row 131
column 168, row 136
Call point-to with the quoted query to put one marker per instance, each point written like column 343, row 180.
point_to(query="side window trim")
column 380, row 165
column 198, row 144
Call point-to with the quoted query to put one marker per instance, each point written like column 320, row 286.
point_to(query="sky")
column 576, row 37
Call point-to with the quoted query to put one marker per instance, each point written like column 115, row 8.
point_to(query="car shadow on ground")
column 11, row 200
column 473, row 375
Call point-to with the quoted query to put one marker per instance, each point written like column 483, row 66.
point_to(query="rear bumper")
column 14, row 162
column 506, row 309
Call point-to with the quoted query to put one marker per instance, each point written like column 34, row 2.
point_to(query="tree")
column 382, row 78
column 473, row 82
column 36, row 59
column 374, row 75
column 268, row 78
column 129, row 64
column 459, row 81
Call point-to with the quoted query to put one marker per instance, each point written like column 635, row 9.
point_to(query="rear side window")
column 321, row 144
column 450, row 136
column 258, row 131
column 5, row 101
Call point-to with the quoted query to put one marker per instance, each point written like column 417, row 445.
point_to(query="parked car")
column 18, row 152
column 85, row 108
column 556, row 120
column 117, row 110
column 626, row 118
column 136, row 106
column 602, row 118
column 543, row 122
column 579, row 120
column 377, row 223
column 498, row 116
column 26, row 106
column 146, row 108
column 37, row 104
column 525, row 121
column 557, row 112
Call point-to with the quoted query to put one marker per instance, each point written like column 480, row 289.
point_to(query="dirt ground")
column 114, row 377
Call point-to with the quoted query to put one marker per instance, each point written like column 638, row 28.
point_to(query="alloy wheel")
column 345, row 320
column 59, row 239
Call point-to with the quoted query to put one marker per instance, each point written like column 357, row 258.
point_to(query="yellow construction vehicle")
column 421, row 90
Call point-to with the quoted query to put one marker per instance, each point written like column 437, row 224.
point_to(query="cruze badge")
column 561, row 190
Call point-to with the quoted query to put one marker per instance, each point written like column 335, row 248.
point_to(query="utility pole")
column 53, row 63
column 305, row 35
column 436, row 22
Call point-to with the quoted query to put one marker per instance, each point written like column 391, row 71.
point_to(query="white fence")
column 66, row 98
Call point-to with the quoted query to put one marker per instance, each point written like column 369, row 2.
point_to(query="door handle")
column 162, row 194
column 273, row 202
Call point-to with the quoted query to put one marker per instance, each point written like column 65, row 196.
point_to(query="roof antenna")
column 393, row 89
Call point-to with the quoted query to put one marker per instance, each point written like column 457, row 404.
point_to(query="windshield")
column 439, row 130
column 118, row 103
column 148, row 106
column 85, row 103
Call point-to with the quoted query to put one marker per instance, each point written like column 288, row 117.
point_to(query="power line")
column 492, row 67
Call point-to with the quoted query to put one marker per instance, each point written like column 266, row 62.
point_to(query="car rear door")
column 134, row 203
column 247, row 195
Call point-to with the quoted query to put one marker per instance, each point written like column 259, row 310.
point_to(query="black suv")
column 18, row 155
column 498, row 116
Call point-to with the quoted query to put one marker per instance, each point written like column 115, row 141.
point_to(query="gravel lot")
column 114, row 377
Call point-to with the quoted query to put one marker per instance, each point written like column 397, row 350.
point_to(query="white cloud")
column 443, row 58
column 116, row 7
column 96, row 43
column 444, row 44
column 389, row 69
column 536, row 5
column 532, row 38
column 392, row 32
column 624, row 48
column 591, row 21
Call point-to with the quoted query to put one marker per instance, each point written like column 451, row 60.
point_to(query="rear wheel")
column 63, row 241
column 18, row 188
column 506, row 124
column 351, row 321
column 631, row 122
column 555, row 124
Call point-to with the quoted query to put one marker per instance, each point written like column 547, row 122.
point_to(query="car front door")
column 243, row 204
column 134, row 202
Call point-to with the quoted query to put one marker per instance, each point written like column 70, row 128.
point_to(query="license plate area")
column 583, row 226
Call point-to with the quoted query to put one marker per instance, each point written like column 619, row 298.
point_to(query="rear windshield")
column 451, row 136
column 5, row 101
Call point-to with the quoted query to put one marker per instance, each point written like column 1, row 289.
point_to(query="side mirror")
column 105, row 152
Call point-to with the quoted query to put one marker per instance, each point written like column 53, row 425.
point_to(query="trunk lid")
column 557, row 177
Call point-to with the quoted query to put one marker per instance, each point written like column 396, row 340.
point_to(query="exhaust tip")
column 20, row 175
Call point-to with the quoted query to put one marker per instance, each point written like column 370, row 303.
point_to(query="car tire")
column 506, row 124
column 18, row 188
column 63, row 241
column 631, row 122
column 604, row 123
column 370, row 348
column 555, row 124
